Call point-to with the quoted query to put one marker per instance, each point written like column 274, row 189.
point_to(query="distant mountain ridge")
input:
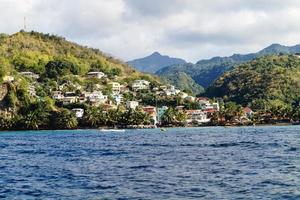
column 205, row 72
column 154, row 62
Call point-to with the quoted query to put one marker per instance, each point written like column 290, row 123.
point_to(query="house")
column 58, row 95
column 197, row 116
column 160, row 112
column 116, row 87
column 70, row 98
column 97, row 75
column 140, row 85
column 206, row 104
column 30, row 75
column 210, row 112
column 32, row 91
column 95, row 98
column 132, row 105
column 118, row 98
column 8, row 79
column 170, row 90
column 78, row 112
column 248, row 112
column 152, row 112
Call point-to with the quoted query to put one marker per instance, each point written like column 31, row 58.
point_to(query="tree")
column 64, row 119
column 94, row 117
column 58, row 68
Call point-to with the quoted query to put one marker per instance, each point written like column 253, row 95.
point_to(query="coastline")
column 156, row 128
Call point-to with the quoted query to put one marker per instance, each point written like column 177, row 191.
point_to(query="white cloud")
column 189, row 29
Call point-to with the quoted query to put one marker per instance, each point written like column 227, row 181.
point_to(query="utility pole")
column 24, row 25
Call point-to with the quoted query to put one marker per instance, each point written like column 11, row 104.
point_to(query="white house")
column 58, row 95
column 98, row 75
column 78, row 112
column 196, row 116
column 30, row 75
column 95, row 97
column 70, row 100
column 32, row 91
column 132, row 104
column 116, row 87
column 140, row 85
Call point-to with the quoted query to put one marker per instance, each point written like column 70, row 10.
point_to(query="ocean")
column 180, row 163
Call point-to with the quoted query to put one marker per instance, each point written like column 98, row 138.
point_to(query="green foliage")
column 183, row 82
column 63, row 119
column 58, row 68
column 267, row 83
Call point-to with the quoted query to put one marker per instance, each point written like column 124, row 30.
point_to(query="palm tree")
column 64, row 119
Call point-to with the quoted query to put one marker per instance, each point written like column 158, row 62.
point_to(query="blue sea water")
column 191, row 163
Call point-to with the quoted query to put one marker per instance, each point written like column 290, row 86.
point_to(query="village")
column 71, row 94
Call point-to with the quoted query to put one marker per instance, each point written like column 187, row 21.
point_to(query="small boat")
column 112, row 130
column 163, row 129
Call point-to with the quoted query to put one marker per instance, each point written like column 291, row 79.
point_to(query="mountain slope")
column 270, row 79
column 204, row 72
column 31, row 51
column 154, row 62
column 184, row 82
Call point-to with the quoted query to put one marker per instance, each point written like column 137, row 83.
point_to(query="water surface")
column 194, row 163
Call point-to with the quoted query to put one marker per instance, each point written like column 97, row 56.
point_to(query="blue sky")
column 189, row 29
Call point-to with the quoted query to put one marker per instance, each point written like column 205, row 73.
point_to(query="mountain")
column 154, row 62
column 204, row 72
column 184, row 82
column 266, row 82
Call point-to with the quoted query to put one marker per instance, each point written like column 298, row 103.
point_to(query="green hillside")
column 267, row 82
column 34, row 67
column 205, row 72
column 31, row 51
column 184, row 82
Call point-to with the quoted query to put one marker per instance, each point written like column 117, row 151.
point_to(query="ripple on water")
column 198, row 163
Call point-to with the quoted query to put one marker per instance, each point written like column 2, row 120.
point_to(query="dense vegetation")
column 204, row 72
column 32, row 51
column 184, row 82
column 269, row 84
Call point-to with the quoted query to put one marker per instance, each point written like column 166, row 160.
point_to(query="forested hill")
column 31, row 51
column 268, row 81
column 204, row 72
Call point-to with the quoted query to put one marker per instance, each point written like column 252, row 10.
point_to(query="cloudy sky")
column 189, row 29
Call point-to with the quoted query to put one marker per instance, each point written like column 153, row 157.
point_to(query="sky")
column 188, row 29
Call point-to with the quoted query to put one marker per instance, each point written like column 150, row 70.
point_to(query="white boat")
column 112, row 130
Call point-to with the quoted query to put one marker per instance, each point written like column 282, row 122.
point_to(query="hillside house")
column 97, row 75
column 132, row 105
column 30, row 75
column 58, row 95
column 116, row 87
column 140, row 85
column 95, row 98
column 78, row 112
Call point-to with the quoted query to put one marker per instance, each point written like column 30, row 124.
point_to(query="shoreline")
column 186, row 127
